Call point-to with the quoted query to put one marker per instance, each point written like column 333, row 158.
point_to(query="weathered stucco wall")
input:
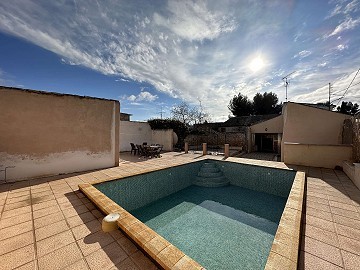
column 164, row 137
column 274, row 125
column 45, row 133
column 315, row 155
column 139, row 132
column 308, row 125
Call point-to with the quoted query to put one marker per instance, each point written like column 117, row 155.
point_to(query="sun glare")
column 256, row 64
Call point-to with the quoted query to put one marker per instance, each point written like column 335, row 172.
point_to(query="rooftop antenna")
column 161, row 112
column 286, row 83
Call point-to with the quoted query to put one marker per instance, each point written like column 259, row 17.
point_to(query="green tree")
column 240, row 105
column 266, row 103
column 348, row 108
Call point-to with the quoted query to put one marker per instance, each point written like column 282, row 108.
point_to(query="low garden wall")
column 316, row 155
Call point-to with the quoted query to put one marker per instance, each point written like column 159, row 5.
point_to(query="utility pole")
column 161, row 113
column 286, row 83
column 329, row 96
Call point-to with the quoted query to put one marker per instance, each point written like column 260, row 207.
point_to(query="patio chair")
column 133, row 148
column 140, row 150
column 157, row 152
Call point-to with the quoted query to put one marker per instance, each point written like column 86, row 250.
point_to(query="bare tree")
column 189, row 114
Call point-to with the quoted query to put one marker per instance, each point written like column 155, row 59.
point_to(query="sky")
column 153, row 55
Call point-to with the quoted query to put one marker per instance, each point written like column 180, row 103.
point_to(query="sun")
column 257, row 64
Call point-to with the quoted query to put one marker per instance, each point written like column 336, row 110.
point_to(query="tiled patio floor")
column 47, row 223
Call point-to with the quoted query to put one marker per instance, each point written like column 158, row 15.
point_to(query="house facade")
column 303, row 135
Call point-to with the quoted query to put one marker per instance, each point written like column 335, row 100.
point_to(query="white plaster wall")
column 27, row 166
column 134, row 132
column 139, row 132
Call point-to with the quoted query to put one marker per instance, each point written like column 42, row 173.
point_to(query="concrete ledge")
column 316, row 155
column 285, row 248
column 352, row 170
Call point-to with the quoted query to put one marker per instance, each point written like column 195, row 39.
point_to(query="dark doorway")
column 266, row 142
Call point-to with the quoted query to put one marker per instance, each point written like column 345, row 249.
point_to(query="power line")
column 349, row 86
column 344, row 89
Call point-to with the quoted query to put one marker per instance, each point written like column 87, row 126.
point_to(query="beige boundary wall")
column 308, row 125
column 316, row 155
column 313, row 137
column 139, row 132
column 352, row 170
column 44, row 133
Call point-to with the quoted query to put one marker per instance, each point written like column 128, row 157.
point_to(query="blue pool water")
column 230, row 227
column 221, row 228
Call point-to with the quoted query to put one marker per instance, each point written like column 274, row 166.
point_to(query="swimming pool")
column 139, row 193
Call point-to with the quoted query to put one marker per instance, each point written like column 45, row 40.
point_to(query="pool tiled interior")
column 48, row 223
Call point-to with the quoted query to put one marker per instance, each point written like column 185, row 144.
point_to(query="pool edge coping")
column 283, row 253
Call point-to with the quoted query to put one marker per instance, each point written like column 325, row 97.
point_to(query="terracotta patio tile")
column 308, row 261
column 68, row 204
column 42, row 205
column 127, row 264
column 17, row 205
column 51, row 229
column 83, row 230
column 318, row 206
column 60, row 258
column 14, row 194
column 15, row 230
column 77, row 210
column 94, row 241
column 28, row 266
column 320, row 223
column 18, row 199
column 54, row 242
column 315, row 194
column 351, row 261
column 344, row 206
column 79, row 265
column 314, row 199
column 322, row 250
column 349, row 244
column 15, row 212
column 47, row 220
column 142, row 261
column 117, row 234
column 348, row 231
column 318, row 213
column 46, row 211
column 127, row 245
column 321, row 235
column 346, row 221
column 345, row 213
column 16, row 242
column 106, row 257
column 6, row 222
column 80, row 219
column 17, row 258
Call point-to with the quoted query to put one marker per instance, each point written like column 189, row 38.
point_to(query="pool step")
column 210, row 176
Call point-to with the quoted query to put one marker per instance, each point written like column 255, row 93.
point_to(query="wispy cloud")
column 347, row 24
column 142, row 96
column 302, row 54
column 192, row 50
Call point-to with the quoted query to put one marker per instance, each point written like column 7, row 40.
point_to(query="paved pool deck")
column 47, row 223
